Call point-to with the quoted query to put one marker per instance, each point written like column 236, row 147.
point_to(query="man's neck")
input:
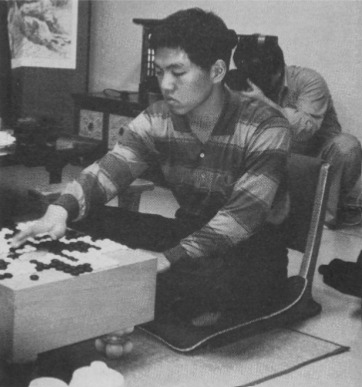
column 203, row 120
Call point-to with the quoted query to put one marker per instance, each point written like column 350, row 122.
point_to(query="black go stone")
column 3, row 264
column 13, row 256
column 40, row 266
column 5, row 276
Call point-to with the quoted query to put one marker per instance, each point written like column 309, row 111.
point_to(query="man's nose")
column 167, row 83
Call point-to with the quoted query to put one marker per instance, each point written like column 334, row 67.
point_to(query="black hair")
column 258, row 58
column 201, row 34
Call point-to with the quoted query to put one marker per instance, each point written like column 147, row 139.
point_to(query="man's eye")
column 179, row 74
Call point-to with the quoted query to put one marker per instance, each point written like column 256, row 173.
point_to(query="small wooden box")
column 40, row 316
column 100, row 116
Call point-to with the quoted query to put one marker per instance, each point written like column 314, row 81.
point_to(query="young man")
column 303, row 97
column 224, row 158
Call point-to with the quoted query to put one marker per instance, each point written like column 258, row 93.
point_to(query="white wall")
column 323, row 35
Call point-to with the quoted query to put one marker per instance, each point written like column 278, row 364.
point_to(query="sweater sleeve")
column 254, row 199
column 113, row 173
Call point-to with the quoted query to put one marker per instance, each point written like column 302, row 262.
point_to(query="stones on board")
column 74, row 254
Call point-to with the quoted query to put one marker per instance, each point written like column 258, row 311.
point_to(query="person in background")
column 303, row 97
column 223, row 155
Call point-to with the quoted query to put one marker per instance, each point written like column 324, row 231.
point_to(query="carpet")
column 247, row 362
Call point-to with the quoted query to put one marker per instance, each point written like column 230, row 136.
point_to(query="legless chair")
column 308, row 186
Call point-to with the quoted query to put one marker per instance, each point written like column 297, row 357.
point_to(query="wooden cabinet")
column 99, row 116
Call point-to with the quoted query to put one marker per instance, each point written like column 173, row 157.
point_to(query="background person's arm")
column 306, row 115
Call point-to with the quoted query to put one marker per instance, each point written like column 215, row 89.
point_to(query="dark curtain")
column 5, row 67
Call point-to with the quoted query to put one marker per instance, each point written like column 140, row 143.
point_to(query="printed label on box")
column 91, row 124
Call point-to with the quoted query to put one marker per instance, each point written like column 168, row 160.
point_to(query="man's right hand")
column 54, row 223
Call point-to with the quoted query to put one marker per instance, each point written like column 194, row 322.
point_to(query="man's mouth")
column 170, row 100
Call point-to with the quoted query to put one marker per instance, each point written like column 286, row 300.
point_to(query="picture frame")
column 39, row 91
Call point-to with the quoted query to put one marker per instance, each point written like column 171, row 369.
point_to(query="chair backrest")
column 308, row 188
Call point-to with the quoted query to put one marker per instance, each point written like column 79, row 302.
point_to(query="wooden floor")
column 340, row 320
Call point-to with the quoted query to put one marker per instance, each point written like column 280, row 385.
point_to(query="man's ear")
column 218, row 71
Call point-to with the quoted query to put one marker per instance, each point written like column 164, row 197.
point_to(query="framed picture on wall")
column 5, row 69
column 43, row 33
column 51, row 61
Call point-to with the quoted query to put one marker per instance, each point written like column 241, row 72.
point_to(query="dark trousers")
column 246, row 278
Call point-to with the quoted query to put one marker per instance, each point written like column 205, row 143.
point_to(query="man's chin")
column 178, row 110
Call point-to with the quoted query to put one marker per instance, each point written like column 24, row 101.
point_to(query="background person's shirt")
column 308, row 106
column 234, row 182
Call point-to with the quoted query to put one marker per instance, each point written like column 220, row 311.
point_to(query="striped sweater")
column 234, row 182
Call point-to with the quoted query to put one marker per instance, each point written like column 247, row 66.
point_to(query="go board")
column 58, row 292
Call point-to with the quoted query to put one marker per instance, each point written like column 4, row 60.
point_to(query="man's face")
column 277, row 81
column 185, row 86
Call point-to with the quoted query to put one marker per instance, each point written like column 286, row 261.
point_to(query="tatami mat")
column 244, row 363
